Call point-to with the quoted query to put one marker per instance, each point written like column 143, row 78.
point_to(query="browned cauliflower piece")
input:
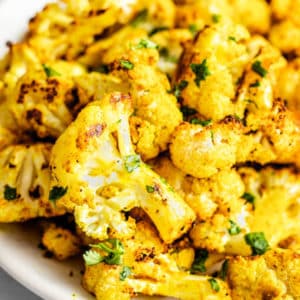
column 285, row 33
column 61, row 242
column 145, row 266
column 25, row 182
column 210, row 67
column 103, row 177
column 288, row 85
column 274, row 275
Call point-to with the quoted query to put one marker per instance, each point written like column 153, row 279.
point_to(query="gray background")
column 12, row 290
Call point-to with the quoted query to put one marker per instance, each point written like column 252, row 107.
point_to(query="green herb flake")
column 92, row 258
column 234, row 229
column 140, row 18
column 178, row 88
column 200, row 122
column 193, row 28
column 10, row 193
column 132, row 162
column 57, row 192
column 216, row 18
column 212, row 136
column 201, row 71
column 257, row 241
column 252, row 102
column 214, row 284
column 114, row 249
column 224, row 269
column 49, row 71
column 157, row 29
column 147, row 44
column 232, row 38
column 164, row 52
column 126, row 271
column 150, row 189
column 255, row 84
column 258, row 68
column 104, row 69
column 249, row 198
column 187, row 111
column 126, row 64
column 198, row 265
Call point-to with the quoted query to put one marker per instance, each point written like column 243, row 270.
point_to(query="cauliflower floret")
column 275, row 275
column 99, row 187
column 285, row 33
column 45, row 100
column 151, row 100
column 24, row 183
column 276, row 200
column 288, row 85
column 147, row 267
column 61, row 242
column 211, row 66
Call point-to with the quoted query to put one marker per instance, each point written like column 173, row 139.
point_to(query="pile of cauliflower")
column 169, row 132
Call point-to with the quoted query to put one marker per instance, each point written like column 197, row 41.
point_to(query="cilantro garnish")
column 126, row 271
column 132, row 162
column 198, row 265
column 258, row 68
column 257, row 241
column 49, row 71
column 57, row 192
column 214, row 284
column 201, row 71
column 126, row 64
column 234, row 229
column 10, row 193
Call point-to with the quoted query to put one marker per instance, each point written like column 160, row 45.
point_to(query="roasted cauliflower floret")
column 211, row 66
column 61, row 242
column 274, row 275
column 152, row 102
column 25, row 182
column 147, row 267
column 103, row 175
column 285, row 33
column 288, row 85
column 275, row 193
column 45, row 100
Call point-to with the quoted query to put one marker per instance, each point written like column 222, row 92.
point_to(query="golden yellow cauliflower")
column 285, row 33
column 210, row 68
column 61, row 242
column 143, row 265
column 25, row 183
column 274, row 275
column 103, row 177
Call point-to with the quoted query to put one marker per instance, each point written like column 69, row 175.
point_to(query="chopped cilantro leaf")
column 216, row 18
column 178, row 88
column 224, row 269
column 143, row 43
column 200, row 122
column 57, row 192
column 193, row 28
column 232, row 38
column 150, row 189
column 10, row 193
column 214, row 284
column 114, row 249
column 187, row 111
column 132, row 162
column 251, row 102
column 234, row 229
column 258, row 68
column 126, row 271
column 257, row 241
column 255, row 84
column 140, row 18
column 104, row 69
column 201, row 71
column 49, row 71
column 126, row 64
column 198, row 265
column 212, row 136
column 157, row 29
column 164, row 52
column 249, row 198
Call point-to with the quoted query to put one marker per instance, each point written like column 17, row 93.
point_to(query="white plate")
column 19, row 253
